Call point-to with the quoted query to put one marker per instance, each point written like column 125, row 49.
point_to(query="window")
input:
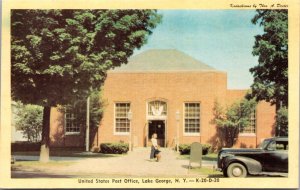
column 278, row 145
column 252, row 127
column 122, row 123
column 71, row 126
column 192, row 118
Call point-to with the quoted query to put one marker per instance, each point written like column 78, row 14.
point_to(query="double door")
column 158, row 127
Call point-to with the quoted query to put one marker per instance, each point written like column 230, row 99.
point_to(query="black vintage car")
column 271, row 158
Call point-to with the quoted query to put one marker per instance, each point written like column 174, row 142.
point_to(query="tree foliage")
column 79, row 108
column 282, row 122
column 29, row 121
column 231, row 120
column 97, row 107
column 58, row 56
column 271, row 47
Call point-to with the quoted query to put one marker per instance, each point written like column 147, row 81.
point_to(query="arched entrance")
column 157, row 120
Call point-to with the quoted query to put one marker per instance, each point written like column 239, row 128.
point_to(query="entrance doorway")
column 158, row 127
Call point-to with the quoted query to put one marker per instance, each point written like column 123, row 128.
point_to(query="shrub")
column 206, row 148
column 25, row 146
column 186, row 148
column 114, row 148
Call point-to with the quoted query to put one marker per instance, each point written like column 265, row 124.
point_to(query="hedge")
column 186, row 148
column 25, row 146
column 114, row 148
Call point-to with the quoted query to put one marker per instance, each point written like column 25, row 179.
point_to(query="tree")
column 271, row 47
column 233, row 119
column 282, row 122
column 60, row 56
column 29, row 120
column 96, row 110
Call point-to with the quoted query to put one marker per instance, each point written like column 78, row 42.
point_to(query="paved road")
column 135, row 164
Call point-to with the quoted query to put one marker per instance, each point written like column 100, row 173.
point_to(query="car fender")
column 253, row 166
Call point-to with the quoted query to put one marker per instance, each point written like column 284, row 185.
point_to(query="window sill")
column 191, row 134
column 121, row 134
column 247, row 135
column 72, row 133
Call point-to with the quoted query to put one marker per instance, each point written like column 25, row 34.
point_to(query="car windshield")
column 264, row 144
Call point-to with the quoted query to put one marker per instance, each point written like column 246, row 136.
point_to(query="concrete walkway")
column 135, row 164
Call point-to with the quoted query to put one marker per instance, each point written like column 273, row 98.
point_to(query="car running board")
column 274, row 174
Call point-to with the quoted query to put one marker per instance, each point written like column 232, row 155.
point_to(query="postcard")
column 149, row 94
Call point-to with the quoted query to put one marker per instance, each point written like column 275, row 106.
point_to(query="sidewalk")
column 135, row 164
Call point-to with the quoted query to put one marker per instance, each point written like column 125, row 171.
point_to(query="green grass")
column 69, row 153
column 27, row 153
column 211, row 157
column 207, row 157
column 39, row 166
column 46, row 164
column 205, row 170
column 209, row 171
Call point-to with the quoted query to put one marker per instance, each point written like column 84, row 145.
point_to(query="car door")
column 276, row 157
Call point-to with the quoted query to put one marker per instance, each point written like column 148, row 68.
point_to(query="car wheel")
column 236, row 170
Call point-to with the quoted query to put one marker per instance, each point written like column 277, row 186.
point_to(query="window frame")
column 191, row 134
column 67, row 111
column 249, row 134
column 114, row 119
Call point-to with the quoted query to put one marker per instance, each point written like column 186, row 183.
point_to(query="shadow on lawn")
column 206, row 158
column 85, row 155
column 215, row 176
column 208, row 171
column 37, row 174
column 77, row 154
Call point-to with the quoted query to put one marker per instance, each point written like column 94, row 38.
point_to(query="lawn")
column 206, row 170
column 62, row 160
column 39, row 167
column 42, row 164
column 68, row 153
column 207, row 157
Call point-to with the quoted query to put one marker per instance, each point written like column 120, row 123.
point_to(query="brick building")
column 166, row 92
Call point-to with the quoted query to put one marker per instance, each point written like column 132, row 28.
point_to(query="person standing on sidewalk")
column 154, row 148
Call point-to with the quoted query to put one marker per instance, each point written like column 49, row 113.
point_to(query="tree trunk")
column 235, row 135
column 44, row 153
column 278, row 105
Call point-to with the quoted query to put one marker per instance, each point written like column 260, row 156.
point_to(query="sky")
column 222, row 39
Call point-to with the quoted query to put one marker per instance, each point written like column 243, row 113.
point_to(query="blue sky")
column 222, row 39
